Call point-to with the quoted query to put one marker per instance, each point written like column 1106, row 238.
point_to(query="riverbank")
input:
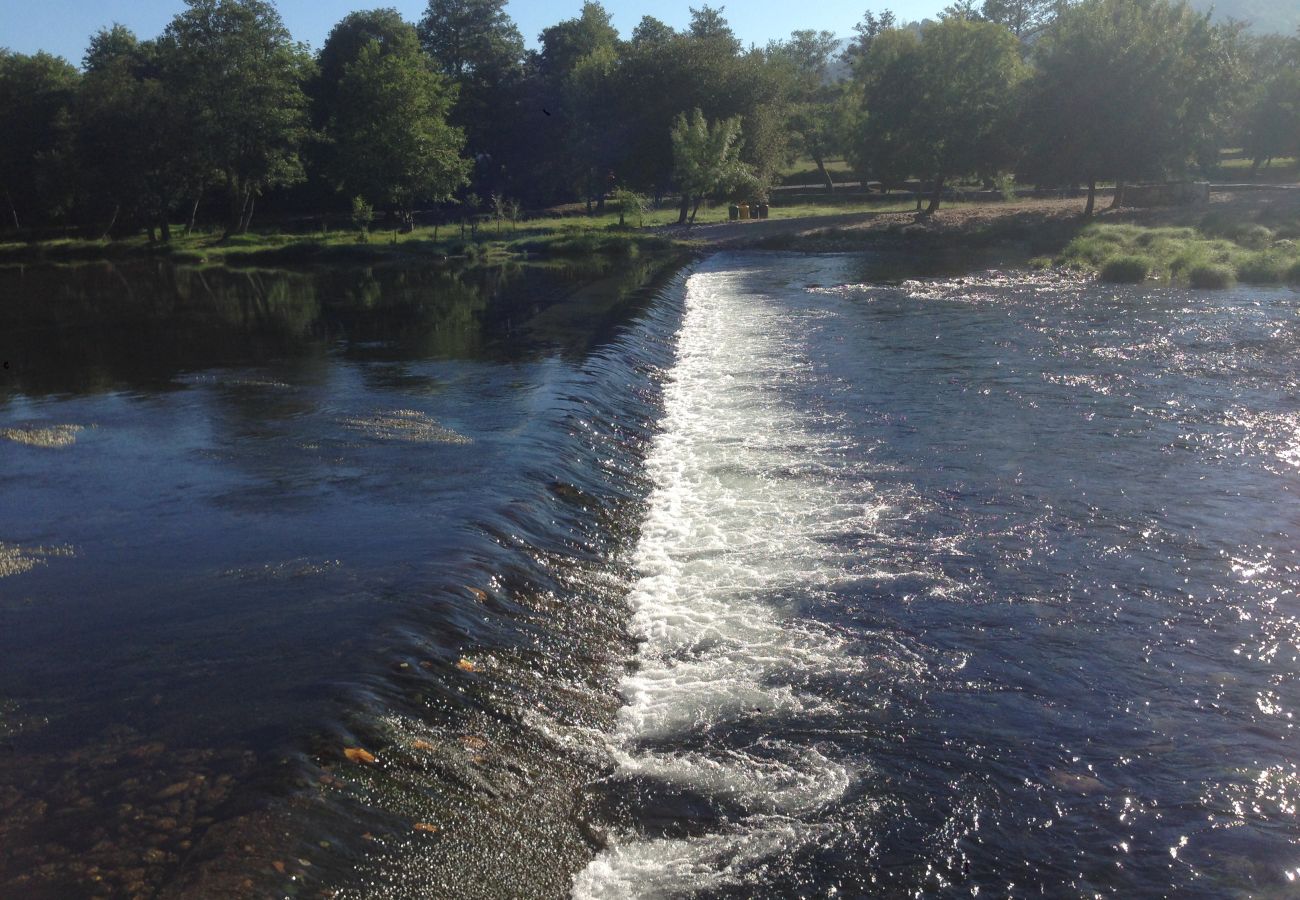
column 425, row 245
column 1249, row 236
column 1245, row 235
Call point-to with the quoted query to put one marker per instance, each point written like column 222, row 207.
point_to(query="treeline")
column 224, row 110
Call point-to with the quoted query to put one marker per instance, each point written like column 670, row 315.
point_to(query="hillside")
column 1280, row 16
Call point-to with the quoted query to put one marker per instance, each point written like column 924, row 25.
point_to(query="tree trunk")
column 685, row 210
column 194, row 214
column 1092, row 199
column 112, row 220
column 250, row 201
column 826, row 176
column 1119, row 195
column 696, row 208
column 935, row 196
column 165, row 229
column 13, row 210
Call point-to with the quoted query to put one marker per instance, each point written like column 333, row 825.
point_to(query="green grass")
column 552, row 237
column 1126, row 269
column 804, row 171
column 1217, row 254
column 570, row 235
column 1234, row 166
column 1211, row 276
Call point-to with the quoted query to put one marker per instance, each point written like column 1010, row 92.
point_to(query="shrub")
column 1006, row 185
column 1262, row 268
column 363, row 214
column 1208, row 276
column 1126, row 270
column 1293, row 274
column 1254, row 236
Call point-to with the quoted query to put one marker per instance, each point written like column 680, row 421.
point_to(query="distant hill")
column 1264, row 16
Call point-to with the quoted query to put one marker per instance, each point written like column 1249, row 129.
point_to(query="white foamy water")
column 749, row 489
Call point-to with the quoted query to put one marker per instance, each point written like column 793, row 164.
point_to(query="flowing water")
column 783, row 576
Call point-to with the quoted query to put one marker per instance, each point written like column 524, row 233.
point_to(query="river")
column 773, row 575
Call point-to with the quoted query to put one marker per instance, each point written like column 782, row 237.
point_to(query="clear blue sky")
column 64, row 26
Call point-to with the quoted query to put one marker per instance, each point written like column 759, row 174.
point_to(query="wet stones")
column 114, row 818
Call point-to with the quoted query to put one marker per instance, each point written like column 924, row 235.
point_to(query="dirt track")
column 1022, row 216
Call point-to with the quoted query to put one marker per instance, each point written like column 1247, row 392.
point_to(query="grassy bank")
column 558, row 239
column 555, row 235
column 1216, row 253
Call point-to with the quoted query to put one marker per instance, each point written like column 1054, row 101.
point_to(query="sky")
column 63, row 27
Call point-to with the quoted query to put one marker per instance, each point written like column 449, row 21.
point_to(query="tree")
column 471, row 38
column 806, row 59
column 650, row 32
column 239, row 77
column 1023, row 18
column 115, row 131
column 391, row 142
column 36, row 99
column 865, row 32
column 708, row 25
column 1125, row 89
column 706, row 158
column 575, row 71
column 478, row 48
column 344, row 45
column 1270, row 125
column 942, row 106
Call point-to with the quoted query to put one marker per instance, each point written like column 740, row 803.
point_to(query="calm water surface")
column 778, row 576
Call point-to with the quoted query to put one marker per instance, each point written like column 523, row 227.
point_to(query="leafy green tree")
column 661, row 73
column 650, row 32
column 709, row 26
column 574, row 84
column 115, row 128
column 1125, row 89
column 865, row 32
column 239, row 77
column 478, row 48
column 1270, row 125
column 36, row 100
column 391, row 141
column 806, row 59
column 566, row 43
column 706, row 158
column 471, row 38
column 344, row 45
column 943, row 105
column 1023, row 18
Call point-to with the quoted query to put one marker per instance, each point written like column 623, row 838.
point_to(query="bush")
column 1293, row 274
column 1208, row 276
column 1262, row 268
column 363, row 214
column 1126, row 270
column 1254, row 236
